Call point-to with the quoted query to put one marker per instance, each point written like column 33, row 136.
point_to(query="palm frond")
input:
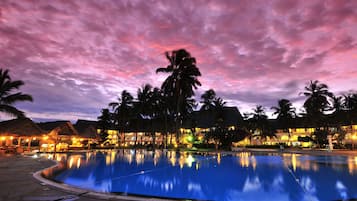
column 10, row 110
column 13, row 98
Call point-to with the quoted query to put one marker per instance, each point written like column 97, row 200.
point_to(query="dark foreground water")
column 243, row 176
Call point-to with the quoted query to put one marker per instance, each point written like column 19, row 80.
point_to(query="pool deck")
column 18, row 183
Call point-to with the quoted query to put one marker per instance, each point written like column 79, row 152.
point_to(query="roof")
column 208, row 118
column 60, row 127
column 147, row 125
column 21, row 127
column 86, row 128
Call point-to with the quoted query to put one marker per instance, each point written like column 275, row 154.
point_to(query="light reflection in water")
column 352, row 164
column 246, row 159
column 219, row 158
column 212, row 176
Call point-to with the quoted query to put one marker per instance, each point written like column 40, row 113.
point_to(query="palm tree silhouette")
column 338, row 116
column 182, row 81
column 350, row 105
column 317, row 101
column 259, row 121
column 8, row 97
column 104, row 123
column 218, row 106
column 285, row 112
column 163, row 109
column 144, row 97
column 122, row 112
column 208, row 98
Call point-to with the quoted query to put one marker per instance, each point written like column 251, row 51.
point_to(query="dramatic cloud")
column 77, row 56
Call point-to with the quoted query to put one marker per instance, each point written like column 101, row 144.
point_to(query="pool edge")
column 88, row 193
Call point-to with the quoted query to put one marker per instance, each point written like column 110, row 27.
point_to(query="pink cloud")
column 249, row 51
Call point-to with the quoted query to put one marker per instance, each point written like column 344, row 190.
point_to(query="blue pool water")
column 241, row 176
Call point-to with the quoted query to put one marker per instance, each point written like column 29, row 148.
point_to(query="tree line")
column 174, row 101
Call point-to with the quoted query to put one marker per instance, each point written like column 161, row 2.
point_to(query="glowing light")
column 293, row 161
column 3, row 138
column 173, row 159
column 107, row 159
column 254, row 162
column 189, row 160
column 45, row 137
column 78, row 163
column 70, row 163
column 190, row 138
column 284, row 137
column 181, row 162
column 11, row 138
column 244, row 159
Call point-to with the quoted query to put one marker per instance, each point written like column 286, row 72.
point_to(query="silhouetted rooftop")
column 21, row 127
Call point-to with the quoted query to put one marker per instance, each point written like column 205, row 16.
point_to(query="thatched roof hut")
column 86, row 129
column 20, row 127
column 59, row 128
column 207, row 119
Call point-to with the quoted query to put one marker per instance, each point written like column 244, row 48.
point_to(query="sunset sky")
column 77, row 56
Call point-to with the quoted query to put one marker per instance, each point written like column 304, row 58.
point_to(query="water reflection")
column 213, row 176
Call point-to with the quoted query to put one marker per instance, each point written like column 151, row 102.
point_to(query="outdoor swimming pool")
column 241, row 176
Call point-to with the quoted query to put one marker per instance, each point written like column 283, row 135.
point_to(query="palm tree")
column 259, row 113
column 182, row 81
column 144, row 97
column 163, row 110
column 337, row 104
column 317, row 99
column 122, row 111
column 144, row 108
column 338, row 109
column 8, row 97
column 207, row 99
column 146, row 104
column 218, row 106
column 338, row 116
column 104, row 123
column 285, row 112
column 350, row 105
column 259, row 121
column 315, row 105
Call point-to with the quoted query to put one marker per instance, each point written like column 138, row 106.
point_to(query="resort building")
column 20, row 134
column 24, row 134
column 297, row 137
column 148, row 132
column 350, row 132
column 201, row 122
column 139, row 132
column 87, row 131
column 60, row 136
